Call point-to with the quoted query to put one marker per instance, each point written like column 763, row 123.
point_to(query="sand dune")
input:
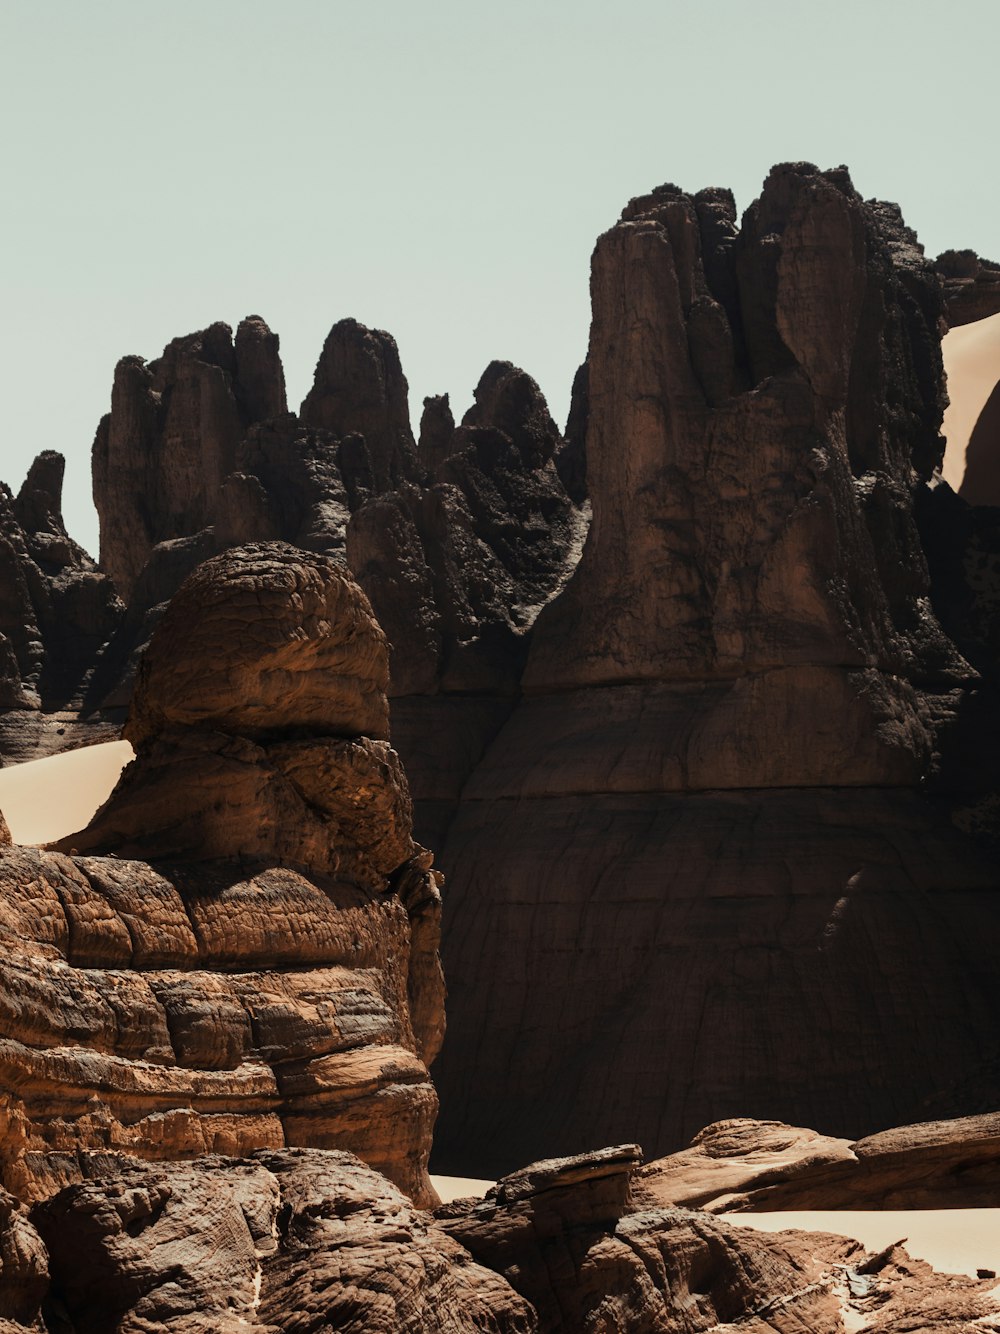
column 47, row 799
column 972, row 361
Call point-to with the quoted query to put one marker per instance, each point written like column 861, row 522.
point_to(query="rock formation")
column 56, row 611
column 693, row 875
column 971, row 286
column 240, row 951
column 744, row 1165
column 294, row 1239
column 459, row 542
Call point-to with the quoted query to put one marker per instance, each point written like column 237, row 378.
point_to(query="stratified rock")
column 282, row 1241
column 274, row 979
column 971, row 286
column 697, row 853
column 764, row 1165
column 560, row 1234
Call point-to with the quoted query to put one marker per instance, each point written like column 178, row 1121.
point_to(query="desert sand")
column 47, row 799
column 972, row 362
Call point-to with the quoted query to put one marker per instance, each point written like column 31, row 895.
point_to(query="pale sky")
column 438, row 170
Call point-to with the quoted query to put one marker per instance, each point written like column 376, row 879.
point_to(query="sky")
column 440, row 170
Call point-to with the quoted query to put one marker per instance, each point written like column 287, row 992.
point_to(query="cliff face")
column 695, row 855
column 56, row 611
column 240, row 951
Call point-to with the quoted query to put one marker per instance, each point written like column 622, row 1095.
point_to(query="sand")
column 954, row 1241
column 972, row 361
column 47, row 799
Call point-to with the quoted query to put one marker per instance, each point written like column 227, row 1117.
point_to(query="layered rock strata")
column 743, row 1165
column 305, row 1239
column 696, row 860
column 240, row 951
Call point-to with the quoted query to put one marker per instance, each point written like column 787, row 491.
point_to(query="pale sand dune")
column 954, row 1241
column 456, row 1188
column 972, row 361
column 47, row 799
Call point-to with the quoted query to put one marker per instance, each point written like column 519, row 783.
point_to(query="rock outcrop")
column 295, row 1239
column 740, row 1165
column 971, row 286
column 240, row 951
column 694, row 875
column 459, row 542
column 56, row 611
column 981, row 482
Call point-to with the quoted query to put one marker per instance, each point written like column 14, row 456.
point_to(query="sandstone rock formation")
column 296, row 1239
column 56, row 611
column 458, row 542
column 693, row 876
column 170, row 439
column 971, row 286
column 240, row 951
column 740, row 1165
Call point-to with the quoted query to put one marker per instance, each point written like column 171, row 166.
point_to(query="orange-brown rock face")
column 692, row 876
column 241, row 950
column 764, row 1165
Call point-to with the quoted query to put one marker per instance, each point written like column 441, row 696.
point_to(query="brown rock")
column 288, row 1240
column 971, row 286
column 262, row 640
column 172, row 436
column 275, row 979
column 558, row 1233
column 56, row 611
column 746, row 1165
column 691, row 854
column 360, row 388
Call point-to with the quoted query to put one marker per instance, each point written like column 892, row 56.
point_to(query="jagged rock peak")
column 172, row 436
column 359, row 387
column 507, row 399
column 38, row 506
column 437, row 430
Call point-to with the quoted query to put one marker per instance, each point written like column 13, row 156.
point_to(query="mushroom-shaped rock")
column 260, row 642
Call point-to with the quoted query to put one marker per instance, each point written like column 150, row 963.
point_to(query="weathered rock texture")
column 56, row 611
column 288, row 1240
column 740, row 1165
column 246, row 956
column 971, row 286
column 459, row 541
column 693, row 875
column 564, row 1234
